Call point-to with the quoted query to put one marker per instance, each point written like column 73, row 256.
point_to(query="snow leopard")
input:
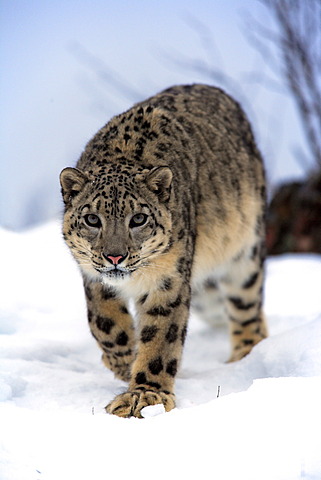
column 167, row 201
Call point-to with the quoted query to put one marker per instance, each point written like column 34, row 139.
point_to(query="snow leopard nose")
column 115, row 259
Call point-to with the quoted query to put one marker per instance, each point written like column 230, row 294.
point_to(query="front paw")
column 121, row 367
column 131, row 403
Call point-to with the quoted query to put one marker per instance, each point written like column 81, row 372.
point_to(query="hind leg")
column 208, row 302
column 242, row 289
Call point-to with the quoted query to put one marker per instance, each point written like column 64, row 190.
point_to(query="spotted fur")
column 167, row 199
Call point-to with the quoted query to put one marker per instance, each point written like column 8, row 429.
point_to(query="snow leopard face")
column 116, row 223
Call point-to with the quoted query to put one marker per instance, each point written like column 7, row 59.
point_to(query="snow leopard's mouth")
column 114, row 273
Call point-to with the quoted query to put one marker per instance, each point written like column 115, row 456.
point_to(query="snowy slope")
column 265, row 424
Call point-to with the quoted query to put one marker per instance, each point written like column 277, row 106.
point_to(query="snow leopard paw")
column 130, row 404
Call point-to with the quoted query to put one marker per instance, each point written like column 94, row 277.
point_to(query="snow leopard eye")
column 92, row 220
column 138, row 220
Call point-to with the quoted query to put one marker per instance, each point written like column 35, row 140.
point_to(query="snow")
column 152, row 411
column 258, row 419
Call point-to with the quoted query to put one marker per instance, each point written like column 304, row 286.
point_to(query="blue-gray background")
column 68, row 66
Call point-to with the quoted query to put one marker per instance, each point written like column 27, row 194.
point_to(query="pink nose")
column 114, row 260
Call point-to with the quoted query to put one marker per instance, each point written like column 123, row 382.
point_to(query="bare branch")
column 104, row 72
column 298, row 45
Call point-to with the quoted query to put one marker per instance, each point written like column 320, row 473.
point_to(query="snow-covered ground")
column 264, row 425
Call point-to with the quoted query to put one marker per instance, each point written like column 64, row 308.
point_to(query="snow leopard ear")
column 72, row 182
column 159, row 181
